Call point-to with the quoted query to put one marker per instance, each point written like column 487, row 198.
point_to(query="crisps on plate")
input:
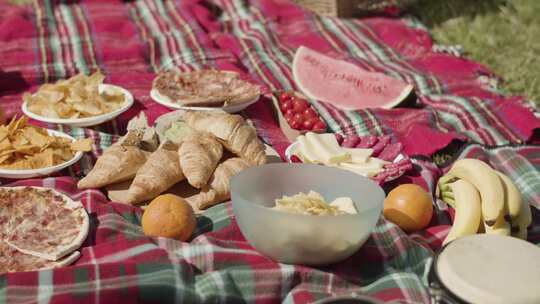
column 76, row 97
column 24, row 146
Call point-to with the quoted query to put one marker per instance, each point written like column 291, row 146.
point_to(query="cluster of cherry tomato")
column 299, row 113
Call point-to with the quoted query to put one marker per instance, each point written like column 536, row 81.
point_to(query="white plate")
column 87, row 121
column 163, row 100
column 19, row 174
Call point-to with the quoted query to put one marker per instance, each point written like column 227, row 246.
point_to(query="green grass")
column 503, row 35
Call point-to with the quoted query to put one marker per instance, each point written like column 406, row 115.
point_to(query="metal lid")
column 348, row 300
column 488, row 268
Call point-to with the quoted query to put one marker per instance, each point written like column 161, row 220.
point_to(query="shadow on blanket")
column 12, row 83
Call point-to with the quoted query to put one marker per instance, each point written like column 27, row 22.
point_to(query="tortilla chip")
column 84, row 145
column 76, row 97
column 36, row 138
column 24, row 146
column 21, row 164
column 5, row 144
column 4, row 158
column 43, row 160
column 15, row 124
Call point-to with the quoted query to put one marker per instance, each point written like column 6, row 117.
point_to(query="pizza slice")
column 47, row 224
column 12, row 260
column 204, row 88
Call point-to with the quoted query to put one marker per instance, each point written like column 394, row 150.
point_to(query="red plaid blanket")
column 131, row 40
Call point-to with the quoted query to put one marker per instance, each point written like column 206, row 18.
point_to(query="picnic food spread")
column 76, row 97
column 40, row 226
column 343, row 84
column 191, row 209
column 409, row 206
column 218, row 146
column 169, row 216
column 313, row 203
column 484, row 199
column 205, row 88
column 325, row 149
column 23, row 146
column 300, row 115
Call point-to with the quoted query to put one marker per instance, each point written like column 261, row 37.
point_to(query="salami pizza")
column 39, row 228
column 205, row 88
column 12, row 260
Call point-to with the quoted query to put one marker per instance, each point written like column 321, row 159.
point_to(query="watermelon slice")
column 344, row 84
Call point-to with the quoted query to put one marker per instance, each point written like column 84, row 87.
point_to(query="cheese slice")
column 368, row 169
column 326, row 148
column 382, row 162
column 306, row 151
column 359, row 155
column 344, row 204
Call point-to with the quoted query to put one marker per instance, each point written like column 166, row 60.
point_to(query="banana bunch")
column 485, row 200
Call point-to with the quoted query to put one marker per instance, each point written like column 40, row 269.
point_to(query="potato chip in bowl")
column 29, row 151
column 78, row 101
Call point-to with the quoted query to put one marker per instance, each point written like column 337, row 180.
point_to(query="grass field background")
column 501, row 34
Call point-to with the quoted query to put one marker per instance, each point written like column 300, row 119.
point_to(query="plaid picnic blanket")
column 130, row 41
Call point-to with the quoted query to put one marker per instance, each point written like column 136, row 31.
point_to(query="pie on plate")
column 204, row 90
column 39, row 228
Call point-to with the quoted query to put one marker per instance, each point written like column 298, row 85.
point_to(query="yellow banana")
column 523, row 221
column 512, row 197
column 501, row 226
column 468, row 210
column 487, row 182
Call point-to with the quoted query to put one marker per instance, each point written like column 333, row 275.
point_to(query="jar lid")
column 486, row 268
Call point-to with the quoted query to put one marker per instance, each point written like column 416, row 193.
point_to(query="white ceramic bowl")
column 163, row 100
column 297, row 238
column 87, row 121
column 20, row 174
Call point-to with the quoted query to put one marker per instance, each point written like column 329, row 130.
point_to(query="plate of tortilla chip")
column 30, row 151
column 80, row 101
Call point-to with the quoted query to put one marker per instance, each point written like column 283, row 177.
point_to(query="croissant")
column 199, row 155
column 219, row 188
column 118, row 163
column 233, row 131
column 161, row 171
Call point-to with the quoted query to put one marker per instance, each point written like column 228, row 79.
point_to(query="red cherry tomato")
column 308, row 124
column 284, row 96
column 319, row 126
column 289, row 112
column 286, row 105
column 297, row 116
column 300, row 105
column 310, row 113
column 295, row 124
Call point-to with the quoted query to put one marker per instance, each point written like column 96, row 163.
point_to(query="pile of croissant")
column 201, row 158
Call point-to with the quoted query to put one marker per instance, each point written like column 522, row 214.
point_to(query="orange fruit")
column 409, row 206
column 169, row 216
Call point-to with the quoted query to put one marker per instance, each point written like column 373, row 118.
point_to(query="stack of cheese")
column 324, row 149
